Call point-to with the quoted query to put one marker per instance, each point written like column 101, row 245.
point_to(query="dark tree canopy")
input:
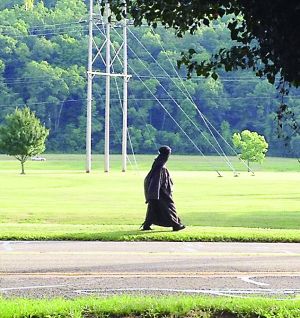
column 266, row 32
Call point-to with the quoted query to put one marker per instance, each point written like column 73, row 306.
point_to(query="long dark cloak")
column 158, row 194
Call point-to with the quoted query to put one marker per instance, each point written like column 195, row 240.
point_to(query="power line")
column 47, row 25
column 207, row 123
column 213, row 98
column 40, row 28
column 198, row 129
column 187, row 116
column 226, row 79
column 82, row 99
column 175, row 121
column 47, row 28
column 179, row 126
column 41, row 79
column 66, row 31
column 141, row 76
column 32, row 81
column 43, row 103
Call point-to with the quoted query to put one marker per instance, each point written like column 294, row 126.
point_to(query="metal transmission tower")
column 101, row 57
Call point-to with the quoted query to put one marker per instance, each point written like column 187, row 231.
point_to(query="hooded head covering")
column 165, row 150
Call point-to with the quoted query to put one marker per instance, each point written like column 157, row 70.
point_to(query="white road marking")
column 30, row 287
column 247, row 279
column 220, row 292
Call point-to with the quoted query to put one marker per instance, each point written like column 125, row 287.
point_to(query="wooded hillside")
column 43, row 60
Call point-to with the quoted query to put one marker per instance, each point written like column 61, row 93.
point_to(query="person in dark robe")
column 158, row 194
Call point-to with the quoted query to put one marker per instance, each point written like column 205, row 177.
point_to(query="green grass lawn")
column 150, row 307
column 58, row 191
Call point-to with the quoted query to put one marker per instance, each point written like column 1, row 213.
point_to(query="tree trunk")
column 248, row 164
column 22, row 165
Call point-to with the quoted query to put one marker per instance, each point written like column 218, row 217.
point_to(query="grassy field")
column 179, row 163
column 148, row 307
column 59, row 192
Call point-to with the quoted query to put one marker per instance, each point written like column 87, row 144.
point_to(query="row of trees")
column 23, row 136
column 43, row 57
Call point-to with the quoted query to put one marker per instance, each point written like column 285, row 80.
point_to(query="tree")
column 253, row 147
column 278, row 46
column 265, row 34
column 22, row 135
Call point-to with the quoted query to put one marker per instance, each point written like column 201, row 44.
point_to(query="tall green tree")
column 253, row 147
column 22, row 135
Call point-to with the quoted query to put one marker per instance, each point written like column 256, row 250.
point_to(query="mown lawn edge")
column 146, row 306
column 75, row 232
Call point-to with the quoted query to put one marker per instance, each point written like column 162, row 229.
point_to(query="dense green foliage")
column 22, row 135
column 43, row 59
column 264, row 40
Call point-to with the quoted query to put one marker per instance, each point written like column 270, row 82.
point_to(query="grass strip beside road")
column 131, row 233
column 133, row 306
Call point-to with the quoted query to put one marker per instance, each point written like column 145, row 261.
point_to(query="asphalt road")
column 71, row 269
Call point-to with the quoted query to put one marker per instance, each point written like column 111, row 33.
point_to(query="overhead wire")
column 188, row 95
column 58, row 32
column 204, row 118
column 184, row 112
column 170, row 115
column 141, row 76
column 252, row 79
column 47, row 25
column 206, row 121
column 175, row 121
column 226, row 159
column 41, row 27
column 35, row 79
column 43, row 103
column 144, row 120
column 121, row 106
